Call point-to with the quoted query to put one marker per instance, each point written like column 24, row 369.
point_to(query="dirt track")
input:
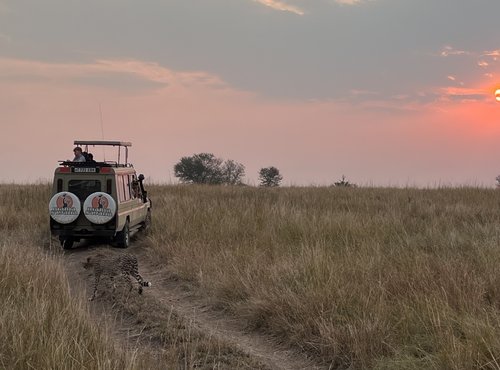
column 140, row 322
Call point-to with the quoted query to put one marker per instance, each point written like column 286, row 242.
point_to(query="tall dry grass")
column 41, row 325
column 359, row 278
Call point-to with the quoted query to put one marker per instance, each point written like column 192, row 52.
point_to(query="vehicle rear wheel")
column 67, row 243
column 123, row 237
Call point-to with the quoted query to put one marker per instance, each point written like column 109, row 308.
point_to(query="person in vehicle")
column 90, row 158
column 136, row 191
column 78, row 155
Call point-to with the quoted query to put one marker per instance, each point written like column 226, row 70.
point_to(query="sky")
column 385, row 92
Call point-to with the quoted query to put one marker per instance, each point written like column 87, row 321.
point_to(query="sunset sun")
column 497, row 95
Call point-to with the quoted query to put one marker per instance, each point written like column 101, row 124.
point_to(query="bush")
column 270, row 177
column 206, row 168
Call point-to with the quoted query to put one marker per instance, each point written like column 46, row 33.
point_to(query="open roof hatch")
column 119, row 144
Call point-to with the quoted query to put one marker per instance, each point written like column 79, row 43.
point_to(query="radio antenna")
column 102, row 132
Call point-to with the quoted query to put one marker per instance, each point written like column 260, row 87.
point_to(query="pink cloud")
column 449, row 50
column 148, row 71
column 463, row 93
column 492, row 53
column 281, row 6
column 348, row 2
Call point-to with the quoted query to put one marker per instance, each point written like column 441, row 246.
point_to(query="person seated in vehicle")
column 78, row 155
column 90, row 158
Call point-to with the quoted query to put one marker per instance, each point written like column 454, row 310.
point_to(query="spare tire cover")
column 99, row 208
column 64, row 207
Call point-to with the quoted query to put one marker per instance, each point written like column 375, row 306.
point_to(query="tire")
column 67, row 243
column 146, row 225
column 123, row 237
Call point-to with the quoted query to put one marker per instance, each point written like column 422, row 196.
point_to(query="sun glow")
column 497, row 95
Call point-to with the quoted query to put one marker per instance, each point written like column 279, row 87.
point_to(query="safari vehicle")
column 98, row 199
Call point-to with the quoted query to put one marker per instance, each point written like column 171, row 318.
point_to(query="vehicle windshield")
column 83, row 188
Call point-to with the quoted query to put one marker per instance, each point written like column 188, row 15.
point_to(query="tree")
column 206, row 168
column 270, row 177
column 202, row 168
column 232, row 172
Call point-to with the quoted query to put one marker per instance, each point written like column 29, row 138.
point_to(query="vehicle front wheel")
column 146, row 226
column 123, row 237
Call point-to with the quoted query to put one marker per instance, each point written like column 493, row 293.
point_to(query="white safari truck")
column 92, row 199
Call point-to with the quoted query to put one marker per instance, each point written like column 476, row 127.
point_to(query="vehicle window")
column 128, row 187
column 83, row 188
column 119, row 187
column 124, row 186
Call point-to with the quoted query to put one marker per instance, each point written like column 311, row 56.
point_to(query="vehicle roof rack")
column 102, row 142
column 91, row 164
column 119, row 144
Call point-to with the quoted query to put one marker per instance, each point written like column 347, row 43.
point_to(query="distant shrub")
column 270, row 177
column 344, row 183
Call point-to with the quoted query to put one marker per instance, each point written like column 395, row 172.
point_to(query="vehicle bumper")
column 84, row 234
column 66, row 231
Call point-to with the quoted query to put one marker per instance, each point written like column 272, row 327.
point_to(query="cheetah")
column 113, row 265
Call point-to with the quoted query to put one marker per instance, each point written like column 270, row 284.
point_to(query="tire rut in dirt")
column 170, row 323
column 180, row 296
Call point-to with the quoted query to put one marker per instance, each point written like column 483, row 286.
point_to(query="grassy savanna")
column 43, row 325
column 357, row 278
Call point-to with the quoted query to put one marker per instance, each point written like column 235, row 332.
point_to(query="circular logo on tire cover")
column 64, row 207
column 99, row 208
